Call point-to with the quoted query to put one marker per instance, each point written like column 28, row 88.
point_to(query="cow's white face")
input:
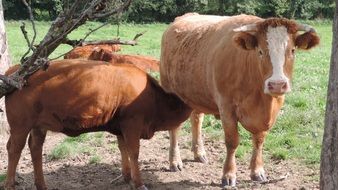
column 275, row 41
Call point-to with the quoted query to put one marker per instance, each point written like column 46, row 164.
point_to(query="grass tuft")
column 95, row 159
column 72, row 146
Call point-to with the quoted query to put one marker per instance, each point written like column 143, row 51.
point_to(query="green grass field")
column 298, row 131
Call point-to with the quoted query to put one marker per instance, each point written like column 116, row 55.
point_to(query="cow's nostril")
column 277, row 86
column 270, row 85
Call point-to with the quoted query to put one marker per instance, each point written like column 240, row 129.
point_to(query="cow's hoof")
column 201, row 158
column 143, row 187
column 260, row 177
column 176, row 167
column 229, row 182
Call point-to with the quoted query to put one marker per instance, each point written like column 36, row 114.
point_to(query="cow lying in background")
column 79, row 96
column 85, row 51
column 145, row 63
column 237, row 68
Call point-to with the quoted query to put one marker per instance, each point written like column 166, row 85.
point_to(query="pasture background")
column 296, row 136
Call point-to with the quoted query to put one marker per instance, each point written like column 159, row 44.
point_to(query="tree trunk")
column 5, row 62
column 329, row 155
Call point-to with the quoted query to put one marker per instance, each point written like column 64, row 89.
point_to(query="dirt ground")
column 76, row 173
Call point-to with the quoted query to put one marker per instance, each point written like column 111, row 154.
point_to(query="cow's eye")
column 293, row 50
column 260, row 52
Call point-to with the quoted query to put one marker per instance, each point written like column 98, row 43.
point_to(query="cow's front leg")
column 196, row 119
column 15, row 144
column 35, row 143
column 256, row 164
column 175, row 160
column 231, row 142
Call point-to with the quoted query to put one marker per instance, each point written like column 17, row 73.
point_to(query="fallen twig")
column 281, row 178
column 116, row 179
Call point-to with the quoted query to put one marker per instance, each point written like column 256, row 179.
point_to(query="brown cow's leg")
column 196, row 119
column 133, row 146
column 125, row 159
column 175, row 160
column 256, row 164
column 231, row 142
column 35, row 142
column 15, row 144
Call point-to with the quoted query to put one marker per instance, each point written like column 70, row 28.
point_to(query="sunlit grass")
column 72, row 146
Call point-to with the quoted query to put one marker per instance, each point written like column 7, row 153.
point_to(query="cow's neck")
column 170, row 111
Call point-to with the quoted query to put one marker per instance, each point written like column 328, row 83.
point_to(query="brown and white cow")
column 85, row 51
column 237, row 68
column 77, row 96
column 144, row 63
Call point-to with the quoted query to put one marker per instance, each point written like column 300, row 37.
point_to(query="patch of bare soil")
column 76, row 172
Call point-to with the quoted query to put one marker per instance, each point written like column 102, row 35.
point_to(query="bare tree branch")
column 139, row 35
column 75, row 43
column 31, row 18
column 11, row 82
column 91, row 31
column 112, row 12
column 65, row 23
column 24, row 32
column 113, row 41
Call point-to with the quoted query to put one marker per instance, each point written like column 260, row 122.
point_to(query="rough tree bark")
column 5, row 62
column 329, row 155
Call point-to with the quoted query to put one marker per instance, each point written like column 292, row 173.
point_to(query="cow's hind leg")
column 175, row 160
column 35, row 143
column 15, row 144
column 231, row 142
column 124, row 158
column 256, row 164
column 131, row 140
column 196, row 119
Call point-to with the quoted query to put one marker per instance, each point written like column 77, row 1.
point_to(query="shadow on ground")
column 99, row 176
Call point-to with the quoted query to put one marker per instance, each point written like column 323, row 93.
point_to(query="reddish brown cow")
column 237, row 68
column 79, row 96
column 85, row 51
column 144, row 63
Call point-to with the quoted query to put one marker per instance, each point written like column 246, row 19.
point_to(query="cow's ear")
column 245, row 41
column 96, row 54
column 307, row 40
column 106, row 56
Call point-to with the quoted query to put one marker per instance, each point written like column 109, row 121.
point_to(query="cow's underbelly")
column 195, row 93
column 207, row 107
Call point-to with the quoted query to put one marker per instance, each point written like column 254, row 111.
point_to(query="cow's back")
column 85, row 92
column 193, row 47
